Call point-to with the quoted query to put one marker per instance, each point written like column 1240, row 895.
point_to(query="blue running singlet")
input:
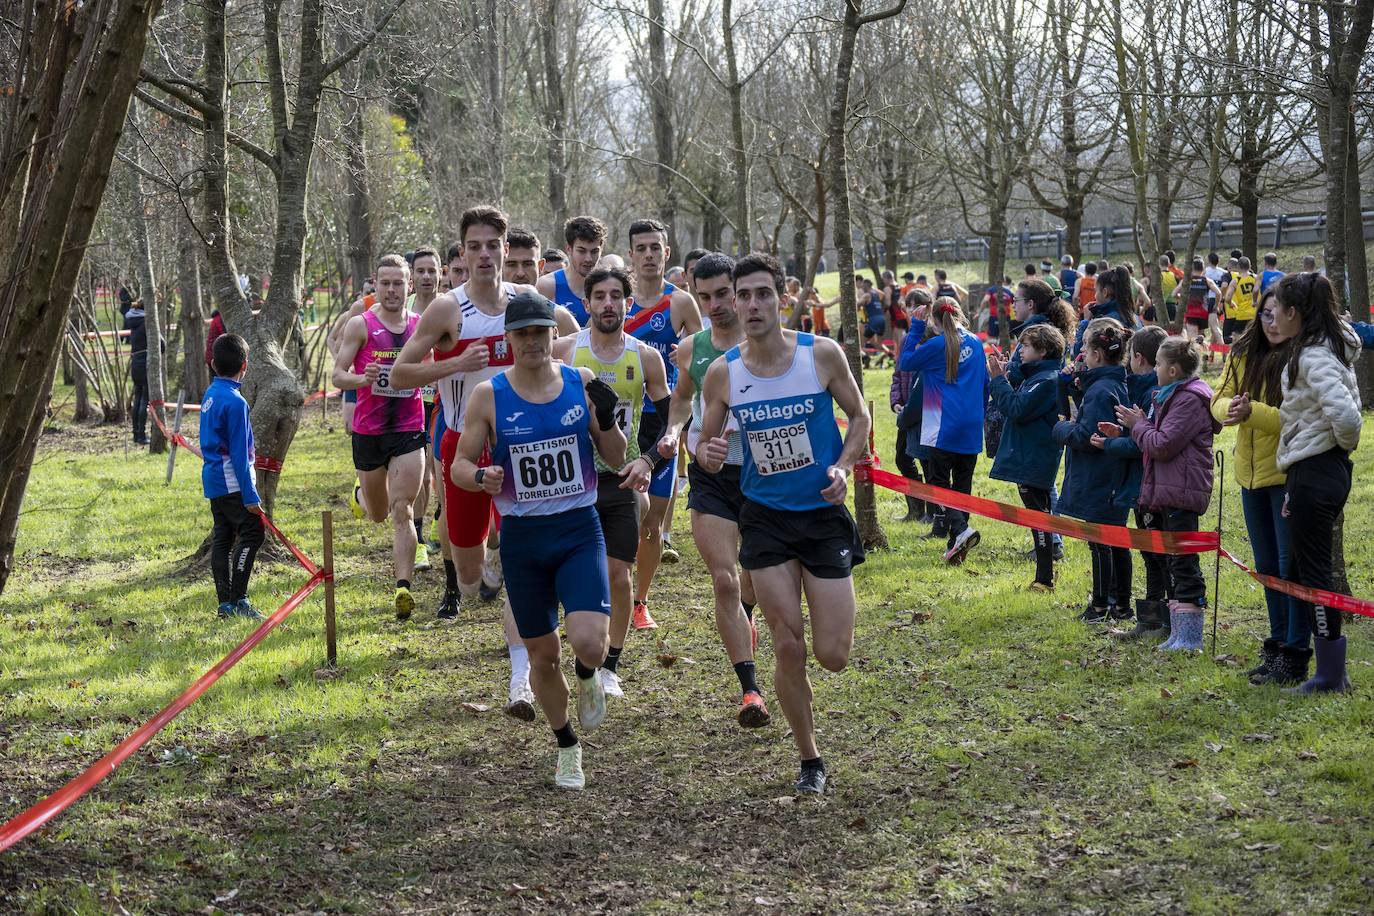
column 789, row 431
column 564, row 296
column 654, row 326
column 545, row 449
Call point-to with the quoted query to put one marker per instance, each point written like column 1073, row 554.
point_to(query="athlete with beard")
column 584, row 237
column 464, row 331
column 796, row 536
column 388, row 427
column 659, row 315
column 715, row 500
column 635, row 372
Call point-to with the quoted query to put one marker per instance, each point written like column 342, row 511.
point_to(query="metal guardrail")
column 1101, row 241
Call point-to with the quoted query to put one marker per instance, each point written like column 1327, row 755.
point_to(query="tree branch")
column 881, row 14
column 175, row 90
column 242, row 143
column 357, row 47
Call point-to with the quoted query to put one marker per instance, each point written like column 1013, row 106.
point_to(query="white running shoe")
column 491, row 569
column 591, row 702
column 569, row 773
column 521, row 703
column 610, row 683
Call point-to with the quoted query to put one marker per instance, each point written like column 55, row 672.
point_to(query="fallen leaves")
column 476, row 708
column 1257, row 738
column 1184, row 763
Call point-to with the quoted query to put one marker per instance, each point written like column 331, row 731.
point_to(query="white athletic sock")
column 519, row 665
column 469, row 589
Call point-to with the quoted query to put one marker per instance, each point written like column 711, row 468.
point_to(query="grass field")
column 988, row 754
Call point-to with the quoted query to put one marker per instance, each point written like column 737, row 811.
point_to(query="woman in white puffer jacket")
column 1321, row 422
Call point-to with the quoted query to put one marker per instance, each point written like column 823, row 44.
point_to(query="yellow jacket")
column 1257, row 439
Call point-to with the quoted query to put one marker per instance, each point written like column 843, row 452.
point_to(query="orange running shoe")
column 752, row 711
column 641, row 617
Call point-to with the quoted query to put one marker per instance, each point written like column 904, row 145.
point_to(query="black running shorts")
column 715, row 494
column 619, row 513
column 372, row 452
column 825, row 540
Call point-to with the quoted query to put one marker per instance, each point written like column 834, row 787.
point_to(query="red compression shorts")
column 469, row 514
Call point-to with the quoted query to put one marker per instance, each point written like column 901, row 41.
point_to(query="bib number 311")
column 780, row 449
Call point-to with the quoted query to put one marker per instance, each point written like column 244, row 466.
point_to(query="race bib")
column 547, row 469
column 427, row 392
column 624, row 410
column 782, row 448
column 382, row 387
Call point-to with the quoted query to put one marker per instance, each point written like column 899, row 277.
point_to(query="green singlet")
column 626, row 376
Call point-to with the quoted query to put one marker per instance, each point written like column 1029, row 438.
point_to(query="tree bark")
column 555, row 115
column 359, row 198
column 865, row 502
column 739, row 156
column 661, row 115
column 195, row 375
column 142, row 207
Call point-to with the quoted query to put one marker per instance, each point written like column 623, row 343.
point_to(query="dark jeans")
column 1039, row 500
column 1157, row 584
column 1185, row 569
column 906, row 466
column 1268, row 531
column 1317, row 490
column 234, row 543
column 1111, row 576
column 138, row 405
column 953, row 471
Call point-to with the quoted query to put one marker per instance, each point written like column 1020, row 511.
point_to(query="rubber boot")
column 913, row 510
column 1168, row 644
column 1151, row 620
column 1288, row 667
column 1330, row 676
column 1269, row 651
column 1187, row 626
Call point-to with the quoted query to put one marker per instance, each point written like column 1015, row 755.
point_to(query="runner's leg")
column 373, row 494
column 831, row 603
column 403, row 483
column 779, row 590
column 717, row 539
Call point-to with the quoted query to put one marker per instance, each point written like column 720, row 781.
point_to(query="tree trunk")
column 1357, row 296
column 865, row 502
column 799, row 255
column 142, row 208
column 195, row 374
column 821, row 215
column 555, row 115
column 359, row 199
column 997, row 269
column 494, row 65
column 661, row 114
column 739, row 157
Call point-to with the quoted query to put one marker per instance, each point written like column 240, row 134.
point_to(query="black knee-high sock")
column 450, row 577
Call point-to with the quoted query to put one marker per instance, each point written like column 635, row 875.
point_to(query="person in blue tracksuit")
column 954, row 380
column 1365, row 331
column 227, row 479
column 1027, row 454
column 1092, row 478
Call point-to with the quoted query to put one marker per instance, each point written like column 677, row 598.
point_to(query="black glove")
column 604, row 400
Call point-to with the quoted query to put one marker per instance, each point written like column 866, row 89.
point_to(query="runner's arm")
column 680, row 409
column 562, row 351
column 715, row 409
column 833, row 369
column 412, row 368
column 651, row 425
column 685, row 315
column 567, row 324
column 350, row 342
column 477, row 428
column 545, row 285
column 336, row 330
column 610, row 443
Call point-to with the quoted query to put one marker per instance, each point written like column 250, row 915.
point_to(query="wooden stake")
column 330, row 631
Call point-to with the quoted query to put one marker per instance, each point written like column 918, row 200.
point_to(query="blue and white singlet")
column 545, row 450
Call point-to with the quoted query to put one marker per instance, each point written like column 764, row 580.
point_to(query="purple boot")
column 1330, row 675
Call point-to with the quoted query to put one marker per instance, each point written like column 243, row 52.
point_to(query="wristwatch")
column 477, row 477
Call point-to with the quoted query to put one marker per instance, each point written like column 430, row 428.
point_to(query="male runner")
column 635, row 372
column 796, row 534
column 946, row 287
column 542, row 421
column 465, row 331
column 715, row 500
column 660, row 315
column 554, row 261
column 523, row 265
column 424, row 265
column 584, row 237
column 388, row 428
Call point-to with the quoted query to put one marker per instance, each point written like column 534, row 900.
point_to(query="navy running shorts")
column 550, row 560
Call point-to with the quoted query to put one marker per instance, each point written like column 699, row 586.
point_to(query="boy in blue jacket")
column 1152, row 611
column 227, row 478
column 1027, row 454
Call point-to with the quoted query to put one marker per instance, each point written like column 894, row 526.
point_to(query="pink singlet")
column 381, row 408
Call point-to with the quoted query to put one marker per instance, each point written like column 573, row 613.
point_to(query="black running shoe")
column 448, row 606
column 1093, row 615
column 811, row 780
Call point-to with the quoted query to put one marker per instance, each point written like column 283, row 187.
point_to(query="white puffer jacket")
column 1321, row 410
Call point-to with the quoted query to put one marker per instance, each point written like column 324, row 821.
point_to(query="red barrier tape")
column 38, row 815
column 1219, row 348
column 1168, row 542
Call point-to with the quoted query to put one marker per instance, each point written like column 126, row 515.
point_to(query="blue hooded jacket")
column 1365, row 331
column 1142, row 390
column 1027, row 453
column 226, row 441
column 1108, row 309
column 952, row 412
column 1091, row 476
column 1014, row 375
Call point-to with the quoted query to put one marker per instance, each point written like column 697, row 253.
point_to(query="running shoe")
column 1040, row 588
column 448, row 606
column 569, row 774
column 1093, row 615
column 520, row 705
column 963, row 543
column 753, row 712
column 491, row 576
column 641, row 617
column 243, row 609
column 610, row 683
column 404, row 603
column 812, row 781
column 355, row 504
column 226, row 610
column 670, row 554
column 591, row 702
column 421, row 558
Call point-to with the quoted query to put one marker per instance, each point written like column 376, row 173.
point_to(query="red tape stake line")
column 1219, row 348
column 1334, row 600
column 47, row 809
column 1168, row 542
